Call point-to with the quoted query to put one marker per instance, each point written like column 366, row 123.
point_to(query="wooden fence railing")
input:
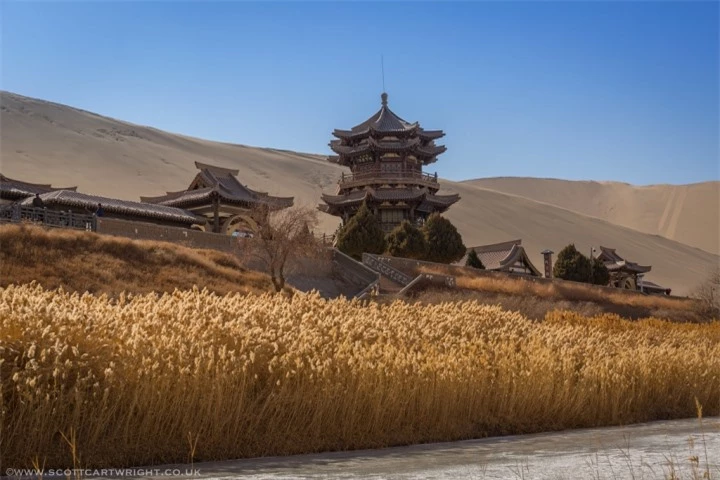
column 50, row 218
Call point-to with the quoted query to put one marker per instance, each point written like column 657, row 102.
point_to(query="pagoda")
column 386, row 156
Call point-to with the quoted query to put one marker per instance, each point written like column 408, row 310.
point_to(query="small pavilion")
column 216, row 194
column 509, row 257
column 623, row 273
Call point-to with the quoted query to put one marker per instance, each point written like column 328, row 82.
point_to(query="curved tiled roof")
column 16, row 189
column 392, row 195
column 432, row 150
column 502, row 256
column 615, row 262
column 407, row 137
column 394, row 145
column 411, row 145
column 443, row 200
column 384, row 120
column 69, row 198
column 220, row 181
column 430, row 134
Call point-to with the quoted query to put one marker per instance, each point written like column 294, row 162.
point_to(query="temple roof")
column 217, row 181
column 385, row 132
column 651, row 287
column 412, row 146
column 502, row 256
column 17, row 189
column 387, row 121
column 615, row 262
column 392, row 195
column 444, row 200
column 69, row 198
column 384, row 120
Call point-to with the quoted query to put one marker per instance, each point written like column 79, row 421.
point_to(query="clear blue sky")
column 622, row 91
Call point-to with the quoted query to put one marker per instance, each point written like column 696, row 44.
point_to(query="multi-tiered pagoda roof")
column 385, row 154
column 386, row 132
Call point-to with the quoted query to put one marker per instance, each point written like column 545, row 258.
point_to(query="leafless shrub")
column 708, row 294
column 283, row 240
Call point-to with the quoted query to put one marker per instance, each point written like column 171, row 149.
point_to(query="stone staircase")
column 396, row 282
column 352, row 272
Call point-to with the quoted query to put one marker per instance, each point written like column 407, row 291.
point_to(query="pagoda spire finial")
column 383, row 97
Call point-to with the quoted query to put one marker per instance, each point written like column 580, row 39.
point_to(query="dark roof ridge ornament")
column 384, row 97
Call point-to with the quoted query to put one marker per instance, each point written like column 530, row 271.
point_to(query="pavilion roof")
column 388, row 122
column 72, row 199
column 412, row 146
column 16, row 189
column 222, row 182
column 385, row 131
column 615, row 262
column 502, row 256
column 393, row 195
column 384, row 120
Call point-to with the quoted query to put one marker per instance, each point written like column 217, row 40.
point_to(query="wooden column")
column 216, row 214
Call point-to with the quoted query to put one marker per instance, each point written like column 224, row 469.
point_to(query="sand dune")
column 50, row 143
column 689, row 214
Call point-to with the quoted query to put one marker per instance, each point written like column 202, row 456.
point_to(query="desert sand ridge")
column 687, row 213
column 45, row 142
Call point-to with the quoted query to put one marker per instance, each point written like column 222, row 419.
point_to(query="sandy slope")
column 50, row 143
column 687, row 213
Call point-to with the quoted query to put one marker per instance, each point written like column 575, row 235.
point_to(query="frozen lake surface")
column 643, row 451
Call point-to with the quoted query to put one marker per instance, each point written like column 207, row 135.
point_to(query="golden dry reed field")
column 192, row 376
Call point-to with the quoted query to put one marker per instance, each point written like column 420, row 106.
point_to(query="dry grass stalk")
column 580, row 295
column 85, row 261
column 273, row 375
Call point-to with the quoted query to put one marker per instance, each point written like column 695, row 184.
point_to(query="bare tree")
column 281, row 241
column 708, row 293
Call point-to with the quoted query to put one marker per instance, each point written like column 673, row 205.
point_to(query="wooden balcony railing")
column 52, row 218
column 349, row 180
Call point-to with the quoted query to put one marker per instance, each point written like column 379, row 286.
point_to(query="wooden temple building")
column 508, row 257
column 217, row 195
column 215, row 201
column 628, row 275
column 386, row 156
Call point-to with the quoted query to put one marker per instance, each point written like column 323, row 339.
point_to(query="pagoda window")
column 392, row 215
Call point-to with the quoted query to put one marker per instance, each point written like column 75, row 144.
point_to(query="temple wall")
column 182, row 236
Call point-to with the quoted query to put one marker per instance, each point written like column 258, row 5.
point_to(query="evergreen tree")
column 474, row 261
column 600, row 274
column 407, row 241
column 572, row 265
column 445, row 244
column 361, row 234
